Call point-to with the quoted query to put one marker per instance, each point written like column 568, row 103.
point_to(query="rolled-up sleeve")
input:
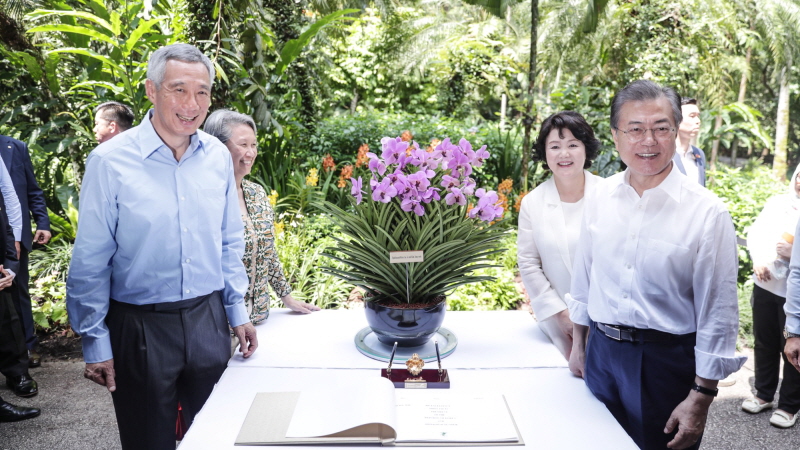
column 233, row 272
column 715, row 300
column 89, row 279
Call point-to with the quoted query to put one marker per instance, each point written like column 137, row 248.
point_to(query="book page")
column 442, row 415
column 326, row 409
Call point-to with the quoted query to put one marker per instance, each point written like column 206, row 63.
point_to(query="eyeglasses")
column 636, row 134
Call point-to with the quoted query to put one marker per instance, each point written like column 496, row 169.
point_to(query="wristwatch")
column 788, row 334
column 705, row 390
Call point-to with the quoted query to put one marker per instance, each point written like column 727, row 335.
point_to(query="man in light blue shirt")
column 157, row 265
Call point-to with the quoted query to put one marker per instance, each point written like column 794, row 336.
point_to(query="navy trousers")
column 13, row 354
column 641, row 383
column 174, row 353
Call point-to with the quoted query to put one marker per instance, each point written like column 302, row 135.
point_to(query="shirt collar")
column 150, row 141
column 671, row 185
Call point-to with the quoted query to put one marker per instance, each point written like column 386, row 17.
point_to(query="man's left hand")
column 690, row 418
column 7, row 278
column 792, row 350
column 42, row 237
column 248, row 342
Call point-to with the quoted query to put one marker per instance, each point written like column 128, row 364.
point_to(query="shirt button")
column 641, row 206
column 183, row 198
column 187, row 291
column 623, row 295
column 633, row 235
column 185, row 230
column 188, row 260
column 628, row 266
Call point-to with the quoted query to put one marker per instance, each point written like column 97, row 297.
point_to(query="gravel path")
column 77, row 414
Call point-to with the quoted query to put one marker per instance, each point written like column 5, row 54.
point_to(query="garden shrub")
column 744, row 190
column 340, row 136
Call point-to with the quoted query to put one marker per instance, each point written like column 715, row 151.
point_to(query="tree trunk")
column 528, row 118
column 782, row 127
column 715, row 146
column 742, row 92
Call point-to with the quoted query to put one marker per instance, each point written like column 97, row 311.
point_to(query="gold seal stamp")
column 415, row 364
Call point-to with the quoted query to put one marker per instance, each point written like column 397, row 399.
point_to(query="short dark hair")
column 116, row 112
column 575, row 123
column 641, row 90
column 688, row 101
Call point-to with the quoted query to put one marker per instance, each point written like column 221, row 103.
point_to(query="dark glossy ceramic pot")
column 407, row 327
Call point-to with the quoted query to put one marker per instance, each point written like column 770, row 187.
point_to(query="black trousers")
column 169, row 354
column 768, row 322
column 641, row 383
column 13, row 354
column 22, row 299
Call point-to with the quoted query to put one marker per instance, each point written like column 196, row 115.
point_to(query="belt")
column 629, row 334
column 168, row 306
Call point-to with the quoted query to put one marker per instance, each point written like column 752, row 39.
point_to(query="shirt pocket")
column 666, row 268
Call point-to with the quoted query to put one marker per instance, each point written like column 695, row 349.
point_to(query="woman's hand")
column 8, row 278
column 296, row 306
column 784, row 249
column 762, row 273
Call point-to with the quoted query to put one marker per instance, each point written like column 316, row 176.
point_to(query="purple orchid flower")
column 392, row 150
column 384, row 191
column 466, row 148
column 468, row 188
column 480, row 157
column 455, row 196
column 375, row 164
column 459, row 164
column 413, row 202
column 356, row 191
column 449, row 182
column 431, row 194
column 419, row 181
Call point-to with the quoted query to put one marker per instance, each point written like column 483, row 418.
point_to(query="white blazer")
column 545, row 264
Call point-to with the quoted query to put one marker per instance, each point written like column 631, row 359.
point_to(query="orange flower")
column 362, row 159
column 433, row 144
column 518, row 203
column 347, row 172
column 505, row 187
column 406, row 136
column 327, row 163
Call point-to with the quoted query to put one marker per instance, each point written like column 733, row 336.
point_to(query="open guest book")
column 372, row 411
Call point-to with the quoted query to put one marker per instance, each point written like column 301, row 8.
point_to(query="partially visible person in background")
column 111, row 119
column 769, row 241
column 238, row 132
column 13, row 352
column 30, row 204
column 691, row 161
column 550, row 219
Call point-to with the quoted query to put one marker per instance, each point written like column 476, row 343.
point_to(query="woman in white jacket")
column 549, row 221
column 769, row 241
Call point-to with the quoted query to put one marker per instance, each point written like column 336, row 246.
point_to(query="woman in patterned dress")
column 238, row 132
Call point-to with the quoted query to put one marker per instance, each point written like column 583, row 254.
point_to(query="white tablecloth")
column 325, row 339
column 553, row 410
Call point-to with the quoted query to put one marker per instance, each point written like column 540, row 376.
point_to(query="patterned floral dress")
column 260, row 256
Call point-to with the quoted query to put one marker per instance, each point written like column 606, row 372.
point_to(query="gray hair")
column 642, row 90
column 221, row 122
column 180, row 52
column 116, row 112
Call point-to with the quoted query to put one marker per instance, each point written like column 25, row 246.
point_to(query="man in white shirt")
column 655, row 278
column 690, row 160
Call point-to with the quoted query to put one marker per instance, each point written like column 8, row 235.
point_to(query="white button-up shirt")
column 664, row 261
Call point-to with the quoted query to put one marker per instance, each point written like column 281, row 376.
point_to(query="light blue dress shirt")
column 13, row 208
column 153, row 230
column 792, row 305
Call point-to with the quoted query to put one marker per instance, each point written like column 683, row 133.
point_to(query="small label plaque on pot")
column 405, row 256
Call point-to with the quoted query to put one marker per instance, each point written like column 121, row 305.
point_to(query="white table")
column 325, row 339
column 552, row 409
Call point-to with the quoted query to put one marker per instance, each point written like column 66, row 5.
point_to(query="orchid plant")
column 417, row 199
